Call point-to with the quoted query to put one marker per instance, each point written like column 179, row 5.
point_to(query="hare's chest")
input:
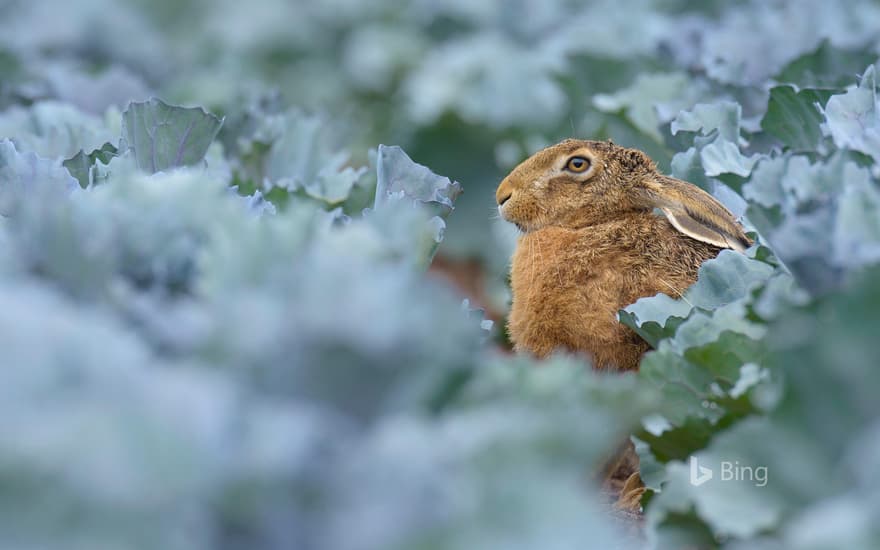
column 560, row 298
column 549, row 262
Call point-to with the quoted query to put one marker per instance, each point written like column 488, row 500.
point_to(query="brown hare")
column 592, row 244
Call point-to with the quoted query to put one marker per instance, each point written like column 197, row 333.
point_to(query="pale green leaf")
column 162, row 136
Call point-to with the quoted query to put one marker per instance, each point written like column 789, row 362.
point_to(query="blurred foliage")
column 219, row 328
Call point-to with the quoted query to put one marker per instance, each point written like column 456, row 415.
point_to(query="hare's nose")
column 504, row 191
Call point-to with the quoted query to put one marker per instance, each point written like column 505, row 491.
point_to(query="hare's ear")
column 695, row 213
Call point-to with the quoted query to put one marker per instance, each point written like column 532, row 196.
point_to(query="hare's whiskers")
column 675, row 290
column 558, row 273
column 531, row 262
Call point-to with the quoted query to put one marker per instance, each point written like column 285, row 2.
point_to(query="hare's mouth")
column 505, row 217
column 513, row 213
column 521, row 225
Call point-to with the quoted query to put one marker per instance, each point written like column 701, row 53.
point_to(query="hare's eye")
column 577, row 165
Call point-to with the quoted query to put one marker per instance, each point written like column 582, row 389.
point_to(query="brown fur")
column 593, row 244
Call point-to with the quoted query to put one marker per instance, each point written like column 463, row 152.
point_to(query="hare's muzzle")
column 504, row 192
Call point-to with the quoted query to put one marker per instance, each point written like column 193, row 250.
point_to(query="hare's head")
column 579, row 183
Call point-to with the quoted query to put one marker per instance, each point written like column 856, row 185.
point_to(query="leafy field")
column 226, row 316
